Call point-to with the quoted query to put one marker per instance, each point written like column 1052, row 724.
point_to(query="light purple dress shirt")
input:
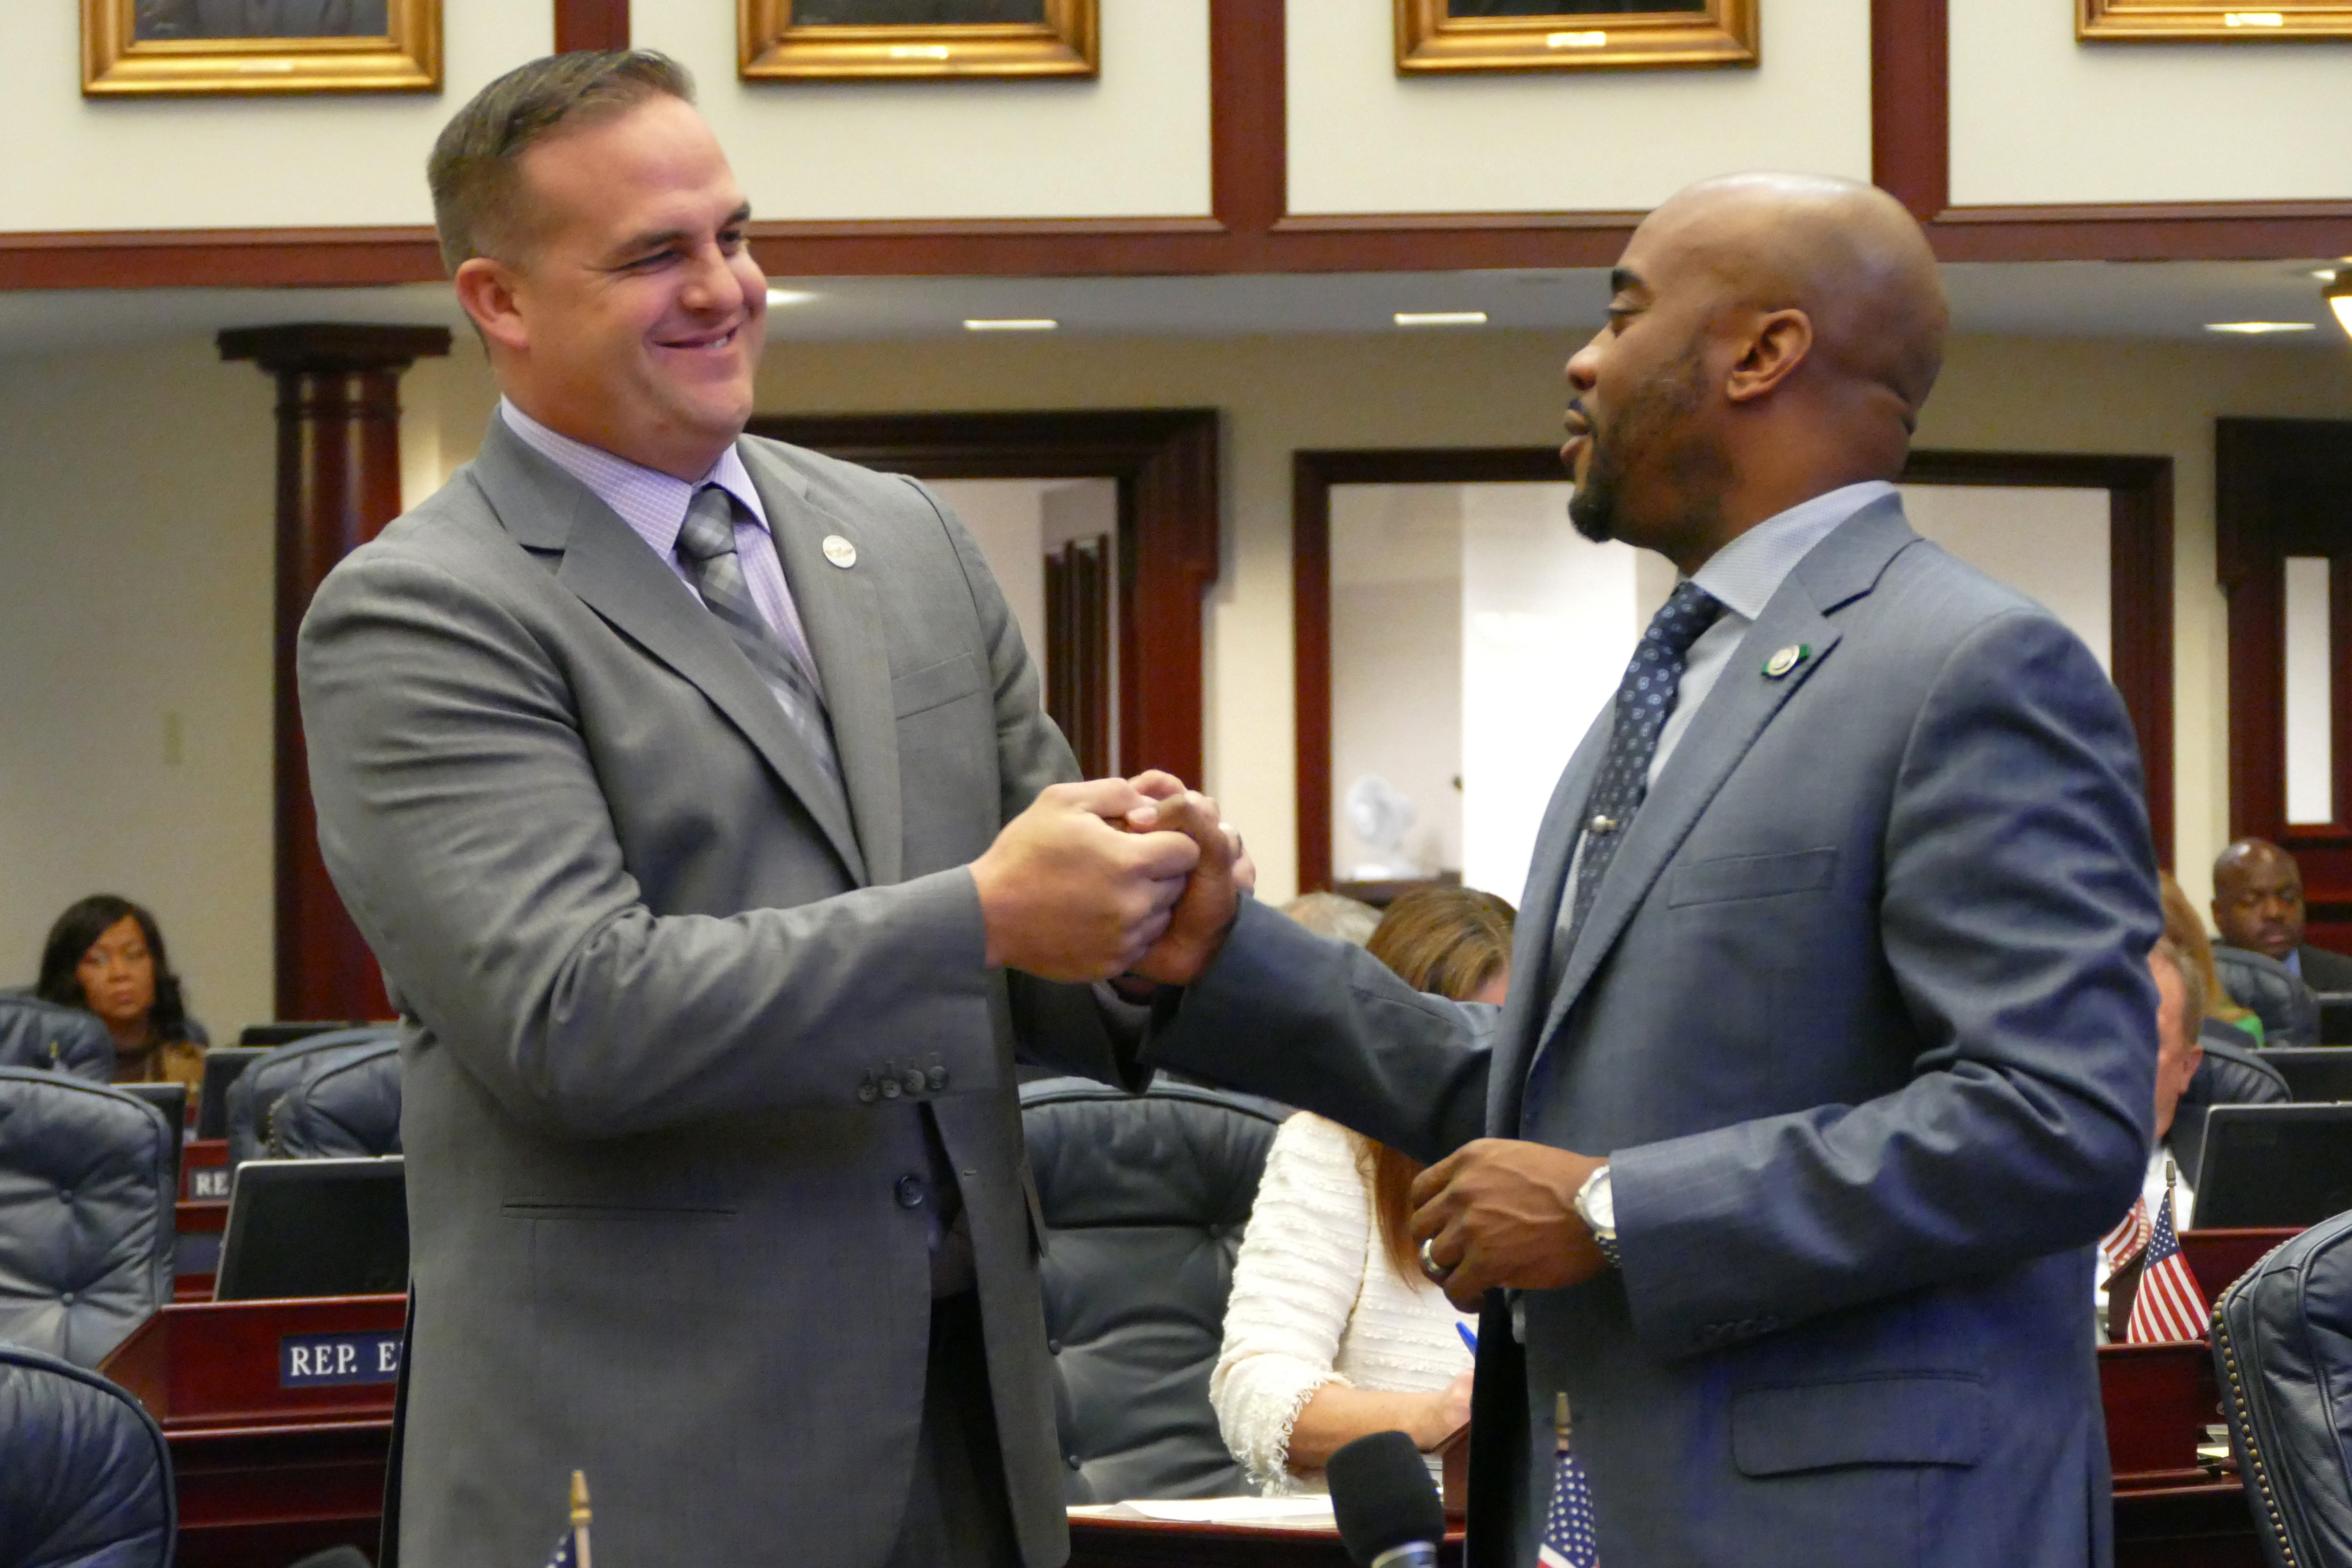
column 654, row 505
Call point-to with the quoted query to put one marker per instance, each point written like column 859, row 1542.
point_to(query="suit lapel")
column 1745, row 699
column 609, row 567
column 841, row 613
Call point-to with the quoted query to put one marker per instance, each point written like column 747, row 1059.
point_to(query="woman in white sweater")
column 1331, row 1332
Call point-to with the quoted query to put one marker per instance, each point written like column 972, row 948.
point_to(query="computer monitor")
column 2336, row 1017
column 315, row 1227
column 2275, row 1165
column 172, row 1099
column 222, row 1065
column 2317, row 1074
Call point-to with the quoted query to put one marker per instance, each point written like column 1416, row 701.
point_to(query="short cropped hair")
column 477, row 160
column 2193, row 983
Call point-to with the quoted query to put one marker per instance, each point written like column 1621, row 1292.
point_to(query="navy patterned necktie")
column 706, row 547
column 1645, row 699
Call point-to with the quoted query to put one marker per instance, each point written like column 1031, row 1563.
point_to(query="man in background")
column 1829, row 1045
column 2179, row 1008
column 2258, row 905
column 695, row 795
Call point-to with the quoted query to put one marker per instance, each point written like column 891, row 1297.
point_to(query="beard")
column 1652, row 425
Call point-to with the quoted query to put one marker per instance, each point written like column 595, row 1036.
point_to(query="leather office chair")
column 2232, row 1073
column 87, row 1184
column 258, row 1088
column 35, row 1033
column 350, row 1108
column 2270, row 991
column 2282, row 1347
column 85, row 1479
column 1144, row 1200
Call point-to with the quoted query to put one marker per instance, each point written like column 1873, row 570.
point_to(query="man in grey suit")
column 694, row 793
column 1830, row 1045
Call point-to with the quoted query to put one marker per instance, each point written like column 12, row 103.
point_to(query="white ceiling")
column 2041, row 299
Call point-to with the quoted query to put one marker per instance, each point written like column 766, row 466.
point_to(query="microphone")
column 1384, row 1503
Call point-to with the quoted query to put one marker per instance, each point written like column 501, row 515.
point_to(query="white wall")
column 136, row 560
column 1133, row 142
column 2049, row 544
column 231, row 162
column 2037, row 117
column 1363, row 139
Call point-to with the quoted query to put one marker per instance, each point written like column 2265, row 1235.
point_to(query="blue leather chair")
column 2282, row 1347
column 349, row 1108
column 257, row 1089
column 88, row 1179
column 2271, row 992
column 85, row 1479
column 35, row 1033
column 1144, row 1200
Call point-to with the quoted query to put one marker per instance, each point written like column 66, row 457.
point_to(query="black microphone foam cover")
column 1381, row 1495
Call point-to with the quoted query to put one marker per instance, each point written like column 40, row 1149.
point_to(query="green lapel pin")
column 1787, row 659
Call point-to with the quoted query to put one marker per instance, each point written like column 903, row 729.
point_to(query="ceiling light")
column 1010, row 324
column 788, row 297
column 2256, row 328
column 2339, row 294
column 1441, row 317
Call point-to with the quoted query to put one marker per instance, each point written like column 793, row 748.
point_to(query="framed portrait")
column 163, row 46
column 1438, row 35
column 2199, row 21
column 857, row 40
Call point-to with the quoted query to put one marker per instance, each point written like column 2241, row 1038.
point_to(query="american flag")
column 572, row 1552
column 2128, row 1239
column 1567, row 1537
column 2168, row 1306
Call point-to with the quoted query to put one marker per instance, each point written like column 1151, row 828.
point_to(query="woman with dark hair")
column 1332, row 1332
column 106, row 955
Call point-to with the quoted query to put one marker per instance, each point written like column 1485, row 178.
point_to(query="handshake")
column 1113, row 876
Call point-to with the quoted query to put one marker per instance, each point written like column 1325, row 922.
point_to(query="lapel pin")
column 1787, row 659
column 840, row 551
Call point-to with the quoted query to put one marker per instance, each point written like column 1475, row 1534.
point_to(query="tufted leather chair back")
column 349, row 1108
column 86, row 1183
column 256, row 1090
column 85, row 1479
column 35, row 1033
column 2282, row 1347
column 2270, row 991
column 1144, row 1200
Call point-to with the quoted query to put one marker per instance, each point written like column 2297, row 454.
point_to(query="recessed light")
column 1441, row 317
column 2256, row 328
column 1010, row 324
column 788, row 297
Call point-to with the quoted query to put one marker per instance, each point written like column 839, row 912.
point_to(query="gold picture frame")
column 171, row 47
column 774, row 47
column 2201, row 22
column 1430, row 38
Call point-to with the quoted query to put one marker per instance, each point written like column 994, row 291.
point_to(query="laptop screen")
column 315, row 1227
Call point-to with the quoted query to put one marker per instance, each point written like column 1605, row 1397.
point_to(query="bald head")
column 1771, row 338
column 1845, row 254
column 2258, row 898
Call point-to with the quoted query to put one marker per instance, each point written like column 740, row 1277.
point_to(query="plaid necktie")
column 706, row 546
column 1645, row 699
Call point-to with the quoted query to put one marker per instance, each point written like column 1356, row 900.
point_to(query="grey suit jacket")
column 652, row 986
column 1863, row 1021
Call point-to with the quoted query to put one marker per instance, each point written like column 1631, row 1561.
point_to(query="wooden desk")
column 278, row 1416
column 1147, row 1543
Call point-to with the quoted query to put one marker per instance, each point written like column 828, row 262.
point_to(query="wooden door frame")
column 2140, row 541
column 1165, row 464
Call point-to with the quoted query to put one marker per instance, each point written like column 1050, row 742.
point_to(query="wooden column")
column 338, row 485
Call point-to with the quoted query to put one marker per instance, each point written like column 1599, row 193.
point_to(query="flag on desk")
column 1569, row 1540
column 2168, row 1306
column 572, row 1552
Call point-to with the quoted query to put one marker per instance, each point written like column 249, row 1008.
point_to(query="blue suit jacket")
column 1862, row 1019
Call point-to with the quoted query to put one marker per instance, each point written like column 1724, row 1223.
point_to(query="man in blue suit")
column 1830, row 1049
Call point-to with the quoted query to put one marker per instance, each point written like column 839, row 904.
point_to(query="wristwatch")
column 1597, row 1207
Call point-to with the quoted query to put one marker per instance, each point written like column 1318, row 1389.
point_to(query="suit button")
column 913, row 1081
column 937, row 1078
column 890, row 1089
column 1074, row 1461
column 869, row 1091
column 67, row 1298
column 1053, row 1347
column 910, row 1192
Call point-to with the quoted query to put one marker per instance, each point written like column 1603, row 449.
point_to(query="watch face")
column 1596, row 1203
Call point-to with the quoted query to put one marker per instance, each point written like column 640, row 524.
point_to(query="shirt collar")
column 651, row 502
column 1745, row 574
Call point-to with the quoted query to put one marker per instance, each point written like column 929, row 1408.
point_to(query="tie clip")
column 1601, row 824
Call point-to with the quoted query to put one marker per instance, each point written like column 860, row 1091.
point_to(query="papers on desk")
column 1266, row 1513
